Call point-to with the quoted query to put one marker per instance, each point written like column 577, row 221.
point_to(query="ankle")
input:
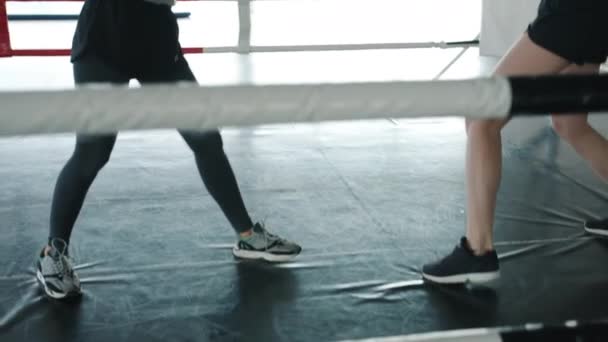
column 246, row 233
column 482, row 251
column 479, row 247
column 58, row 244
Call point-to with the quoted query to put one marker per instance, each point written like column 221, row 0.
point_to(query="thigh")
column 180, row 72
column 93, row 70
column 524, row 58
column 585, row 69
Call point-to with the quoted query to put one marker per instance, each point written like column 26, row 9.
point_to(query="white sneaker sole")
column 255, row 255
column 482, row 277
column 602, row 232
column 51, row 293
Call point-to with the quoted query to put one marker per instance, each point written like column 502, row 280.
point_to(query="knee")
column 483, row 127
column 89, row 160
column 203, row 143
column 568, row 129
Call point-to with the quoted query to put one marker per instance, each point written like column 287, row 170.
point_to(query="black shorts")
column 127, row 34
column 576, row 30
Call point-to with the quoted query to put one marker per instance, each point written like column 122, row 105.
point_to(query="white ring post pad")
column 103, row 108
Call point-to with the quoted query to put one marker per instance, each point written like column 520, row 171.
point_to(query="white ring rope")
column 465, row 335
column 104, row 108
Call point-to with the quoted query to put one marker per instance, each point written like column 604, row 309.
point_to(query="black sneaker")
column 597, row 227
column 463, row 266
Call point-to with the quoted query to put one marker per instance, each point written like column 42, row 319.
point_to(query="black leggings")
column 92, row 152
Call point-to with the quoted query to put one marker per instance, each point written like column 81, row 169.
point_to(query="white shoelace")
column 61, row 260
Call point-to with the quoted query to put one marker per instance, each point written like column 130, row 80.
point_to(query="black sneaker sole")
column 481, row 277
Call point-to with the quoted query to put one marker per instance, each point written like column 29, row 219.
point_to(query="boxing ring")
column 370, row 200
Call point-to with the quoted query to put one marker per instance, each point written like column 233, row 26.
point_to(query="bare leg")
column 484, row 146
column 575, row 129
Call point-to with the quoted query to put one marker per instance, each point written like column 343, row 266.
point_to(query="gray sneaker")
column 55, row 272
column 264, row 245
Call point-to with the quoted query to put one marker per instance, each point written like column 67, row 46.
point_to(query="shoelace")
column 268, row 236
column 264, row 233
column 60, row 261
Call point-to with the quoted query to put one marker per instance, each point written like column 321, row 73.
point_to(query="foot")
column 597, row 227
column 462, row 266
column 263, row 245
column 55, row 273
